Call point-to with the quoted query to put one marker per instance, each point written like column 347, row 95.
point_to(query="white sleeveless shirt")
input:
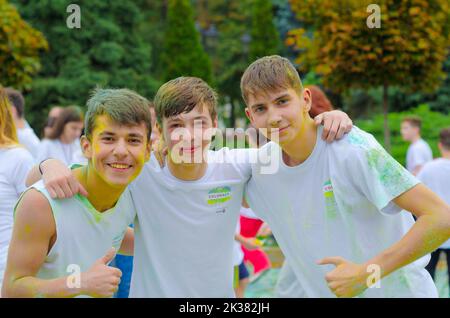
column 83, row 234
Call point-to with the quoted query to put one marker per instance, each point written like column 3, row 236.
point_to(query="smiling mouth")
column 280, row 130
column 119, row 166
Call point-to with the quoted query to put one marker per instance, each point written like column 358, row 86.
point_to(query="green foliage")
column 265, row 37
column 108, row 50
column 407, row 51
column 432, row 123
column 20, row 46
column 183, row 54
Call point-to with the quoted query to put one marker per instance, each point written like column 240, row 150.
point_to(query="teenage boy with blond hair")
column 338, row 210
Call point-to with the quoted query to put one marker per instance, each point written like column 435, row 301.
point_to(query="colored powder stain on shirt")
column 330, row 202
column 390, row 171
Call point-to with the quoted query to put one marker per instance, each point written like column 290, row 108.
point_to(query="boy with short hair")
column 419, row 152
column 79, row 235
column 338, row 204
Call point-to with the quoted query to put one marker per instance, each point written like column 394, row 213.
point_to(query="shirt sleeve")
column 375, row 173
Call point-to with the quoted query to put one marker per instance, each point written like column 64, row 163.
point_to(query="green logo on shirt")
column 219, row 195
column 330, row 202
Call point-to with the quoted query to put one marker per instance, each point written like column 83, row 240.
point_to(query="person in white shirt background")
column 53, row 115
column 15, row 163
column 63, row 142
column 25, row 133
column 419, row 152
column 436, row 175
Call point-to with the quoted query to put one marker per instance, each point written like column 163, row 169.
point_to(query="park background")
column 377, row 75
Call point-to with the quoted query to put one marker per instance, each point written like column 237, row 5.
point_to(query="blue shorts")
column 243, row 271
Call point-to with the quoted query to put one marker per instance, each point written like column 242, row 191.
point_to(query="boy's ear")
column 307, row 98
column 159, row 128
column 86, row 147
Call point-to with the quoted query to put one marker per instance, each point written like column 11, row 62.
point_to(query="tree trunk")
column 232, row 118
column 387, row 133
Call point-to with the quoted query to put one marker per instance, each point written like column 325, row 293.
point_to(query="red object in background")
column 258, row 258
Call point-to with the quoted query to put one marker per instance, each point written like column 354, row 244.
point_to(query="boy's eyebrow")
column 173, row 119
column 280, row 97
column 135, row 134
column 108, row 133
column 201, row 117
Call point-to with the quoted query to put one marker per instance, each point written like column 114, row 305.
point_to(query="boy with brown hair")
column 327, row 203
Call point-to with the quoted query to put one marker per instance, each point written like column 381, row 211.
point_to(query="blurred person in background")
column 63, row 142
column 51, row 119
column 15, row 163
column 25, row 133
column 436, row 175
column 419, row 152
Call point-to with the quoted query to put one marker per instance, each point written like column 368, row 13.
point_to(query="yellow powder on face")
column 27, row 229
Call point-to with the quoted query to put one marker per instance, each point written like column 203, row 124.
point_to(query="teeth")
column 118, row 166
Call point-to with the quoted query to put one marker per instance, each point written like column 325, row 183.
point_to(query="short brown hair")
column 414, row 121
column 267, row 74
column 444, row 138
column 16, row 99
column 123, row 106
column 68, row 114
column 181, row 95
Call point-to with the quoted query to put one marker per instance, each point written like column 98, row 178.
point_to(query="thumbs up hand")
column 347, row 279
column 101, row 280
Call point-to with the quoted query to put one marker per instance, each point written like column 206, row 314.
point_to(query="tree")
column 183, row 54
column 20, row 46
column 108, row 50
column 406, row 52
column 265, row 38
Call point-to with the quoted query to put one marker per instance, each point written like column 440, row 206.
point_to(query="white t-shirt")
column 338, row 202
column 184, row 231
column 83, row 234
column 28, row 138
column 15, row 163
column 67, row 153
column 436, row 175
column 418, row 154
column 288, row 285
